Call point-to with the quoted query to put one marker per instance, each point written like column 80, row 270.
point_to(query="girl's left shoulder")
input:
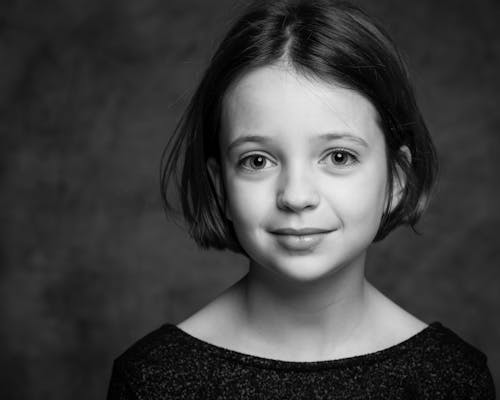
column 446, row 345
column 441, row 358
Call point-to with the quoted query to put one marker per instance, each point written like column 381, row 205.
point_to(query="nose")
column 297, row 190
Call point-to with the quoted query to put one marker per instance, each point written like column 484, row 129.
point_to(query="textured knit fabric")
column 171, row 364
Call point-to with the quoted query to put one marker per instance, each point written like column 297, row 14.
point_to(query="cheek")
column 361, row 199
column 248, row 201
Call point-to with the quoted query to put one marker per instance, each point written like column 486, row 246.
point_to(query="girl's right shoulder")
column 161, row 346
column 157, row 366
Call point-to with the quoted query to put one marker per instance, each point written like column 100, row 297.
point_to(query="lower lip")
column 300, row 242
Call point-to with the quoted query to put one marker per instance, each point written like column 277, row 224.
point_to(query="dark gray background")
column 89, row 94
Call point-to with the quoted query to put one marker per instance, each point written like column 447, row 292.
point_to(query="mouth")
column 300, row 232
column 305, row 239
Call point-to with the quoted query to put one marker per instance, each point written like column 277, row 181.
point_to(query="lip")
column 304, row 239
column 299, row 232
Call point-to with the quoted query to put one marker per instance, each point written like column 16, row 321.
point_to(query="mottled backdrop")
column 89, row 94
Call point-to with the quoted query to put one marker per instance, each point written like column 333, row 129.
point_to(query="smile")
column 300, row 242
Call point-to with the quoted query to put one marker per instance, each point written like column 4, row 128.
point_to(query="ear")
column 215, row 174
column 399, row 179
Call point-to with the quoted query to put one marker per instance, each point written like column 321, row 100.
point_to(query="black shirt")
column 171, row 364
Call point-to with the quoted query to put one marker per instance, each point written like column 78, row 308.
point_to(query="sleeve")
column 476, row 386
column 487, row 387
column 119, row 387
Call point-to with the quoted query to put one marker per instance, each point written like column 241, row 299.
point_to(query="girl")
column 302, row 146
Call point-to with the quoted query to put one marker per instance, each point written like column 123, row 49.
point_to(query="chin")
column 300, row 268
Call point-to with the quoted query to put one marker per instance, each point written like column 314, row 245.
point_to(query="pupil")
column 339, row 157
column 258, row 161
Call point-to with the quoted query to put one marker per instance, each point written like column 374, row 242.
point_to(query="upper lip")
column 301, row 231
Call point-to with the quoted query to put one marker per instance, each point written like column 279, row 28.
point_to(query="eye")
column 254, row 162
column 341, row 157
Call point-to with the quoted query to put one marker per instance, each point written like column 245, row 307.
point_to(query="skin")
column 302, row 304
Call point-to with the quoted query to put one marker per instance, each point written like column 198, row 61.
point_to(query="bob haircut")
column 333, row 41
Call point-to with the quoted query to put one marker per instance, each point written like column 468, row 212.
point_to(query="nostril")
column 297, row 190
column 296, row 202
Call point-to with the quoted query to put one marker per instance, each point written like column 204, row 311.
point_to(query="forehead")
column 276, row 101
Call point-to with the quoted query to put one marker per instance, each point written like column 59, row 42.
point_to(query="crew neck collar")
column 260, row 361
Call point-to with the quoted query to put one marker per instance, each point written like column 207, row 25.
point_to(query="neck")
column 312, row 317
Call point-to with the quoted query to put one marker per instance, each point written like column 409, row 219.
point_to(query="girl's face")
column 301, row 154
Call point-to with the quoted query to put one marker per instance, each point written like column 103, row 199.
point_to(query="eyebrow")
column 324, row 137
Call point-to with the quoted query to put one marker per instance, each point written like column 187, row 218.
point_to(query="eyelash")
column 353, row 159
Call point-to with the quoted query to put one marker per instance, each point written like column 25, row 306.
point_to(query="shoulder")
column 155, row 347
column 159, row 364
column 446, row 347
column 446, row 362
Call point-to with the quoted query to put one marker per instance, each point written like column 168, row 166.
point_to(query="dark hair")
column 330, row 40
